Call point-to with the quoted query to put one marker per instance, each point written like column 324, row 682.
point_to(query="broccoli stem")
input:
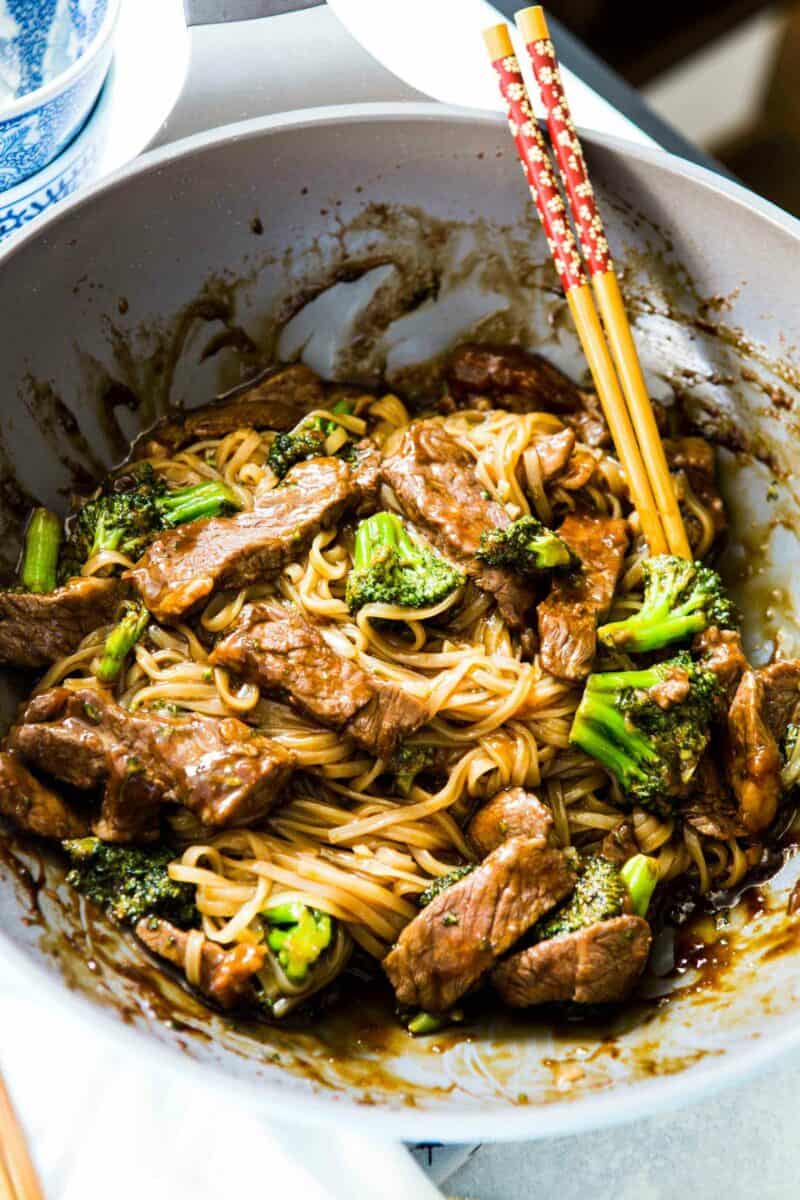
column 194, row 503
column 40, row 555
column 383, row 529
column 120, row 642
column 640, row 874
column 425, row 1022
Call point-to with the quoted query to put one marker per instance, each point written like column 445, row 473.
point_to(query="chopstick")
column 566, row 257
column 568, row 153
column 18, row 1179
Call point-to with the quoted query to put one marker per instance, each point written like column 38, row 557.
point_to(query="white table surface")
column 92, row 1118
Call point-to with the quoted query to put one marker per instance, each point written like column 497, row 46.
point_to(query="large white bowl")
column 107, row 310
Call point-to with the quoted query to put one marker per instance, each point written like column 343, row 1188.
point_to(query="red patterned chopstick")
column 594, row 244
column 544, row 188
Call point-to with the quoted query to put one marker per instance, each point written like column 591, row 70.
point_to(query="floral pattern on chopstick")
column 538, row 170
column 569, row 154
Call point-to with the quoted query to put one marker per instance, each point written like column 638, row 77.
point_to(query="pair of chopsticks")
column 18, row 1179
column 614, row 364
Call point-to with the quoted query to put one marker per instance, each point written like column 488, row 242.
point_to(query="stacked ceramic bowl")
column 54, row 57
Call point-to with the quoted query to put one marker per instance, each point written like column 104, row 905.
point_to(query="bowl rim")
column 48, row 91
column 323, row 1107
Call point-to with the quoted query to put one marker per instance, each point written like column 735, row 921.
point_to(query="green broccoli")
column 790, row 775
column 128, row 518
column 640, row 875
column 389, row 567
column 129, row 882
column 40, row 552
column 407, row 762
column 648, row 728
column 121, row 640
column 298, row 936
column 306, row 440
column 443, row 882
column 680, row 599
column 525, row 547
column 600, row 895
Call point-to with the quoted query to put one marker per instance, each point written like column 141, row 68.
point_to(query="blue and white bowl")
column 75, row 166
column 54, row 56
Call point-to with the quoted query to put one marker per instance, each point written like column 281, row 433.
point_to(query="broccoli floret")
column 40, row 552
column 525, row 547
column 121, row 640
column 127, row 519
column 680, row 599
column 790, row 775
column 306, row 440
column 298, row 936
column 648, row 728
column 129, row 882
column 599, row 895
column 389, row 567
column 443, row 882
column 407, row 762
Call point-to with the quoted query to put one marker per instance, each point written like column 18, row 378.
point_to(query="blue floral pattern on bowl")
column 71, row 170
column 64, row 56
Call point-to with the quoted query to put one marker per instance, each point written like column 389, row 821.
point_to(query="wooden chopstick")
column 18, row 1179
column 568, row 153
column 566, row 257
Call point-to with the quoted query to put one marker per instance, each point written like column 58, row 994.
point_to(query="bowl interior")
column 40, row 41
column 369, row 242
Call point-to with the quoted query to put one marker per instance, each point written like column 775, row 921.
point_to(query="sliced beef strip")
column 553, row 452
column 710, row 809
column 697, row 459
column 521, row 382
column 35, row 629
column 597, row 965
column 781, row 683
column 568, row 616
column 434, row 480
column 226, row 976
column 276, row 399
column 720, row 651
column 753, row 759
column 513, row 379
column 511, row 813
column 183, row 567
column 366, row 474
column 221, row 770
column 33, row 807
column 288, row 658
column 455, row 939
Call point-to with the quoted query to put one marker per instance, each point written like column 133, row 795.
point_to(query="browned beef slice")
column 32, row 806
column 183, row 567
column 275, row 399
column 620, row 843
column 35, row 630
column 514, row 379
column 219, row 769
column 753, row 758
column 226, row 976
column 366, row 474
column 434, row 481
column 568, row 616
column 697, row 459
column 720, row 651
column 710, row 809
column 596, row 965
column 512, row 813
column 445, row 950
column 781, row 682
column 288, row 657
